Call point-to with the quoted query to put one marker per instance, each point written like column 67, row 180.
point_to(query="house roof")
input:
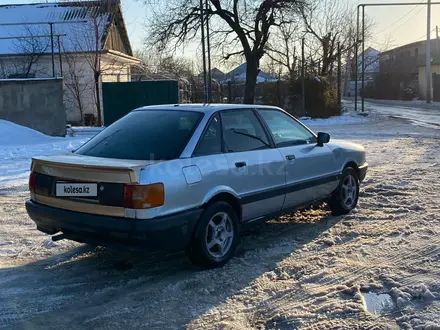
column 82, row 22
column 239, row 74
column 410, row 45
column 371, row 49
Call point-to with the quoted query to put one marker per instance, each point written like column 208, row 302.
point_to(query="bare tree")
column 31, row 45
column 154, row 64
column 239, row 28
column 76, row 82
column 327, row 23
column 284, row 47
column 89, row 40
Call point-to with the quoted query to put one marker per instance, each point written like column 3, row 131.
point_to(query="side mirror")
column 323, row 138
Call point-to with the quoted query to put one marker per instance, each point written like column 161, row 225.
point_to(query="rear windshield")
column 144, row 135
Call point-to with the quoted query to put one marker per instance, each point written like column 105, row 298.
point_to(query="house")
column 372, row 69
column 85, row 42
column 435, row 71
column 406, row 64
column 238, row 75
column 217, row 74
column 372, row 63
column 435, row 77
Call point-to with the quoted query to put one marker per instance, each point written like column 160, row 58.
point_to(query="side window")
column 285, row 130
column 242, row 131
column 211, row 142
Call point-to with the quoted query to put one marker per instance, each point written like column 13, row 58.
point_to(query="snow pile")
column 12, row 134
column 344, row 119
column 18, row 144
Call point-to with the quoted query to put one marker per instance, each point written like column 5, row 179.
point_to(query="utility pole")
column 303, row 88
column 428, row 54
column 438, row 40
column 363, row 58
column 208, row 44
column 52, row 50
column 59, row 55
column 202, row 27
column 356, row 62
column 339, row 74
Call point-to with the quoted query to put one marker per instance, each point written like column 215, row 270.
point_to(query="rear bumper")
column 363, row 171
column 164, row 233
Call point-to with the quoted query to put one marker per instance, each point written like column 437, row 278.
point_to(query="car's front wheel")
column 216, row 236
column 345, row 197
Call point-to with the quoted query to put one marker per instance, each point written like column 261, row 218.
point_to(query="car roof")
column 205, row 108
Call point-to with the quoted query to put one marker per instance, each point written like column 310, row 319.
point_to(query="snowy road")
column 427, row 117
column 303, row 271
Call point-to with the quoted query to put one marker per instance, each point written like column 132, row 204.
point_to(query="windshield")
column 144, row 135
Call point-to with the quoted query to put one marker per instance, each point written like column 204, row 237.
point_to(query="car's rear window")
column 145, row 135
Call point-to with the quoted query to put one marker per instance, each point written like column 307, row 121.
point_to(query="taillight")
column 143, row 196
column 32, row 182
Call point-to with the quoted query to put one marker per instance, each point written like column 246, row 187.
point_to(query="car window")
column 145, row 135
column 242, row 131
column 211, row 141
column 286, row 131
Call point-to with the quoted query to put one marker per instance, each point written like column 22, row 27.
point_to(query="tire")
column 224, row 236
column 340, row 203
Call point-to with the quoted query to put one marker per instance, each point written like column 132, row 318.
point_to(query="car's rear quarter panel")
column 182, row 191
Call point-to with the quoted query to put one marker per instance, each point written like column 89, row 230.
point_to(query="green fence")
column 119, row 98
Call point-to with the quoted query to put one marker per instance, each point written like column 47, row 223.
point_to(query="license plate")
column 66, row 189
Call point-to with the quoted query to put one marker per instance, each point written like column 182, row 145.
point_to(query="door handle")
column 240, row 164
column 290, row 157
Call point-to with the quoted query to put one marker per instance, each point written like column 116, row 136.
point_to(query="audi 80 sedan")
column 190, row 177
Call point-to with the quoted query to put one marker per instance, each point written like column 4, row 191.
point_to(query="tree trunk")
column 98, row 100
column 80, row 107
column 251, row 81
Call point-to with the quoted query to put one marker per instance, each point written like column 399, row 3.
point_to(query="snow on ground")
column 306, row 270
column 418, row 112
column 18, row 144
column 348, row 118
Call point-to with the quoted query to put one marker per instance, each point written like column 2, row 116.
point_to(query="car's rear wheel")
column 345, row 197
column 216, row 236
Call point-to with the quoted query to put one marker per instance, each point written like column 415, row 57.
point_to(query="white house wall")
column 372, row 63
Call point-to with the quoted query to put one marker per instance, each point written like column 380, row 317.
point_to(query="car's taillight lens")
column 32, row 182
column 143, row 196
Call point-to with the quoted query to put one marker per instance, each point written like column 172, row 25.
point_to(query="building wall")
column 372, row 62
column 34, row 103
column 79, row 86
column 422, row 79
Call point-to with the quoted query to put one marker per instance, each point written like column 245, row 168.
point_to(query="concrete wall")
column 35, row 103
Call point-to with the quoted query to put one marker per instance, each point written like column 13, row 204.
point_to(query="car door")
column 255, row 168
column 311, row 171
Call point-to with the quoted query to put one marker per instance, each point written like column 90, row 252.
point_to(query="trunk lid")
column 104, row 176
column 90, row 169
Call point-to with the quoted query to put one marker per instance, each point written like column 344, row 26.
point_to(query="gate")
column 119, row 98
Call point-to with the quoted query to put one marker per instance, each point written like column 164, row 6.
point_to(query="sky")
column 394, row 26
column 400, row 25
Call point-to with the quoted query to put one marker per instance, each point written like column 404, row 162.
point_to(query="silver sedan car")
column 191, row 177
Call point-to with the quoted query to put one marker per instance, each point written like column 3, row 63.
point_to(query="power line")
column 415, row 14
column 424, row 36
column 401, row 18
